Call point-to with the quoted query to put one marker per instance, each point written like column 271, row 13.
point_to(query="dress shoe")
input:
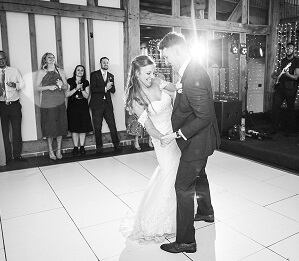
column 137, row 147
column 20, row 158
column 75, row 151
column 117, row 148
column 179, row 247
column 82, row 150
column 98, row 152
column 205, row 218
column 287, row 133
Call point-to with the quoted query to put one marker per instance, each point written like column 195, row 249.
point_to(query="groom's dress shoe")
column 179, row 247
column 206, row 218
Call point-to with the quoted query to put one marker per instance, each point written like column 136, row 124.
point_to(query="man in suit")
column 101, row 87
column 196, row 132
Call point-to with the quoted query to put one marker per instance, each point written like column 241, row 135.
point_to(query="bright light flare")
column 198, row 51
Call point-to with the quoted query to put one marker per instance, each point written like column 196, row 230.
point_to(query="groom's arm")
column 201, row 103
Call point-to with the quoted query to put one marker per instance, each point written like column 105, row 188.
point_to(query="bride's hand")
column 166, row 139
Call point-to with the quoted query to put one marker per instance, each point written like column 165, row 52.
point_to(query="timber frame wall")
column 131, row 17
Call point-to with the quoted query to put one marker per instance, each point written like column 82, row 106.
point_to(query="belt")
column 10, row 102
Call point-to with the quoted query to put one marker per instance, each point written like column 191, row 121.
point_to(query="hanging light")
column 234, row 48
column 243, row 48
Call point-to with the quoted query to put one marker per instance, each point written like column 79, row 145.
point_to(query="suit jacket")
column 97, row 89
column 194, row 113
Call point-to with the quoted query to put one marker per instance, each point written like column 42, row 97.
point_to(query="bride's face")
column 146, row 75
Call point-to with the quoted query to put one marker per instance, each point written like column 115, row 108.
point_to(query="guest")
column 51, row 82
column 11, row 83
column 135, row 129
column 79, row 121
column 101, row 87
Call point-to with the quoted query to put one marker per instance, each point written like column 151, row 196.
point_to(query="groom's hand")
column 166, row 139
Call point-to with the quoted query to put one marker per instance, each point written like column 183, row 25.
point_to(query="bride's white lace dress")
column 156, row 214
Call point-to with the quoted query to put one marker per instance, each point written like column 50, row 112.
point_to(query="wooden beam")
column 65, row 10
column 33, row 44
column 90, row 45
column 236, row 14
column 243, row 73
column 176, row 8
column 271, row 51
column 4, row 34
column 131, row 30
column 58, row 35
column 212, row 10
column 245, row 11
column 82, row 41
column 34, row 68
column 152, row 19
column 91, row 3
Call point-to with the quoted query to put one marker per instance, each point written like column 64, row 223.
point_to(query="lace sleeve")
column 143, row 118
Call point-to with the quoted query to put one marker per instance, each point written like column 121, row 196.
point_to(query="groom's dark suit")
column 193, row 113
column 102, row 107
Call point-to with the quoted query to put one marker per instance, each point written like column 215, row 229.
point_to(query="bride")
column 147, row 97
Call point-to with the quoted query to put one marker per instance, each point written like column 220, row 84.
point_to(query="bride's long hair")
column 133, row 90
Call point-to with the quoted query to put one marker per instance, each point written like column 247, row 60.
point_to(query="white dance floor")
column 72, row 212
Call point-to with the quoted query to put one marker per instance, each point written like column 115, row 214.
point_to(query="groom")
column 196, row 132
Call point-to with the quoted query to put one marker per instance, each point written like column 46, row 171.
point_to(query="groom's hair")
column 172, row 39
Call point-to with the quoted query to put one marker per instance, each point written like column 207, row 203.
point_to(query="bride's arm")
column 145, row 121
column 165, row 86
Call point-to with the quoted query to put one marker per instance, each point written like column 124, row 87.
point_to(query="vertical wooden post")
column 34, row 67
column 58, row 40
column 90, row 39
column 271, row 52
column 82, row 41
column 212, row 10
column 243, row 68
column 90, row 44
column 4, row 34
column 131, row 36
column 131, row 32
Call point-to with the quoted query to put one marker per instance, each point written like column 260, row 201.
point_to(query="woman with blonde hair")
column 51, row 82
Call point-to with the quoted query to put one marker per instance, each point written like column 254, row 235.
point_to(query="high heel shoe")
column 137, row 147
column 150, row 143
column 59, row 154
column 52, row 155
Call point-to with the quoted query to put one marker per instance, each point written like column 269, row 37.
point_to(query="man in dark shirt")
column 286, row 89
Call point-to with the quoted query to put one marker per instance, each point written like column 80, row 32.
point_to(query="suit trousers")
column 191, row 178
column 106, row 112
column 11, row 114
column 278, row 97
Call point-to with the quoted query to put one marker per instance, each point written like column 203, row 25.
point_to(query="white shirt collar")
column 183, row 67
